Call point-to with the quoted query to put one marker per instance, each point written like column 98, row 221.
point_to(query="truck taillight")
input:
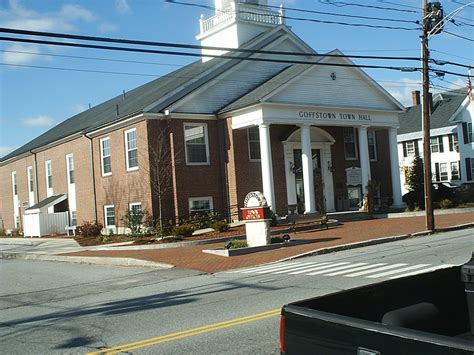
column 282, row 334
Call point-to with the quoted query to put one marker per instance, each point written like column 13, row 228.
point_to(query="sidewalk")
column 316, row 241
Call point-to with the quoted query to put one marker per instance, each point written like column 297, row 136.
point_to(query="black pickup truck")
column 421, row 314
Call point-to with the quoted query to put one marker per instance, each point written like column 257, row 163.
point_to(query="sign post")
column 257, row 217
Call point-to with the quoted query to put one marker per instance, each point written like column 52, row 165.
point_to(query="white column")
column 266, row 163
column 395, row 172
column 307, row 164
column 364, row 157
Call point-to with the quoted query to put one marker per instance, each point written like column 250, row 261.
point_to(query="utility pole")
column 430, row 225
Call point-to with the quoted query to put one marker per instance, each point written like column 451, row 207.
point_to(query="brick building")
column 210, row 132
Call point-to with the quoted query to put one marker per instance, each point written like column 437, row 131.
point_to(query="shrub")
column 2, row 232
column 165, row 229
column 90, row 229
column 137, row 221
column 446, row 203
column 236, row 244
column 201, row 220
column 184, row 230
column 220, row 226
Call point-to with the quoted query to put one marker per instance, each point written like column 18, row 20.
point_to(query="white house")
column 452, row 138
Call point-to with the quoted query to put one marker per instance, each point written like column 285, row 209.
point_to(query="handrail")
column 243, row 12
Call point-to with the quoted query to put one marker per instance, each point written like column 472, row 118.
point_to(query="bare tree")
column 162, row 157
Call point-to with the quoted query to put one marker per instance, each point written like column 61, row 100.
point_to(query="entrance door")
column 317, row 178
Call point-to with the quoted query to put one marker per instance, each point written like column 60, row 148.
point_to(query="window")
column 30, row 179
column 455, row 170
column 410, row 148
column 131, row 149
column 199, row 204
column 254, row 143
column 371, row 138
column 14, row 184
column 135, row 207
column 109, row 212
column 436, row 144
column 105, row 156
column 73, row 218
column 468, row 134
column 453, row 143
column 469, row 164
column 443, row 171
column 195, row 137
column 349, row 143
column 70, row 169
column 49, row 175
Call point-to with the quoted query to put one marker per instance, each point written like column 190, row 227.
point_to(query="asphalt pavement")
column 347, row 235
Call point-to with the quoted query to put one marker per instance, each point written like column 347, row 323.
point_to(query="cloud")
column 122, row 6
column 402, row 88
column 78, row 108
column 4, row 150
column 67, row 18
column 76, row 12
column 107, row 27
column 38, row 121
column 20, row 53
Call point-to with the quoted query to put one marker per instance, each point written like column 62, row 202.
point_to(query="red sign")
column 254, row 213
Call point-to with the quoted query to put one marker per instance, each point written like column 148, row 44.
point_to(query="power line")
column 303, row 18
column 75, row 69
column 154, row 51
column 95, row 71
column 90, row 58
column 459, row 36
column 450, row 54
column 186, row 46
column 343, row 4
column 306, row 11
column 164, row 64
column 397, row 4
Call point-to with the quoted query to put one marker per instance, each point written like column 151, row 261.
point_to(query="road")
column 48, row 308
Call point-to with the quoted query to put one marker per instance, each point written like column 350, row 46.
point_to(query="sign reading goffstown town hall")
column 321, row 115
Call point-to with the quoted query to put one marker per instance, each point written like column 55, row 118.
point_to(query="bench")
column 302, row 220
column 71, row 231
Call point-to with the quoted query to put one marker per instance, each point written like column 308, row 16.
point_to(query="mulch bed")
column 93, row 241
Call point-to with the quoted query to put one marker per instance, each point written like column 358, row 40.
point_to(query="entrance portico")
column 308, row 152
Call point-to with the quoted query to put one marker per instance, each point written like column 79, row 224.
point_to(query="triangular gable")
column 333, row 86
column 462, row 112
column 243, row 77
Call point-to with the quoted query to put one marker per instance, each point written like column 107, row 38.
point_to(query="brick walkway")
column 350, row 232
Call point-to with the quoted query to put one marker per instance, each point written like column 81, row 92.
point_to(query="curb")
column 92, row 260
column 377, row 241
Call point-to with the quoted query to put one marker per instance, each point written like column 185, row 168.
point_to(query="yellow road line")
column 187, row 333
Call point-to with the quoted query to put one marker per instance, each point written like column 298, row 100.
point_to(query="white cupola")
column 236, row 22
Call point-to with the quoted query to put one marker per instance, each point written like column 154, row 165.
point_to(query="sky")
column 41, row 85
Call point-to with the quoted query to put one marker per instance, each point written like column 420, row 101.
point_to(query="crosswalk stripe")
column 437, row 267
column 355, row 269
column 257, row 268
column 317, row 268
column 299, row 267
column 393, row 272
column 335, row 269
column 284, row 267
column 366, row 272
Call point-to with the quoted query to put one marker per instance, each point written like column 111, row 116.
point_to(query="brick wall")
column 122, row 187
column 57, row 155
column 198, row 180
